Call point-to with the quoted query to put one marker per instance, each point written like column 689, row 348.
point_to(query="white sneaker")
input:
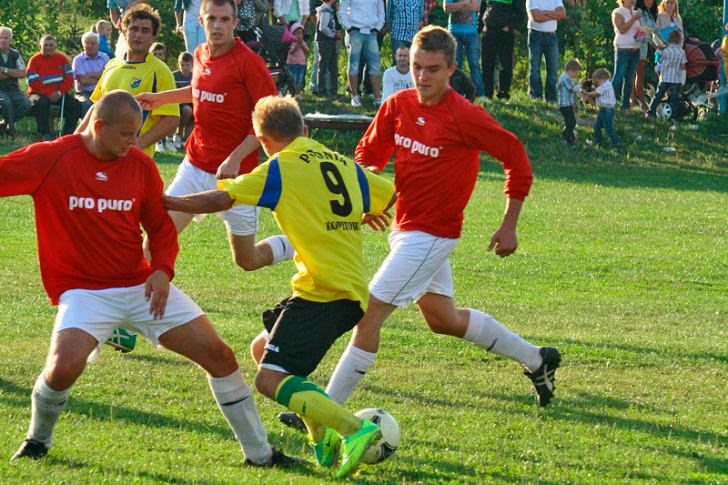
column 159, row 147
column 356, row 101
column 177, row 141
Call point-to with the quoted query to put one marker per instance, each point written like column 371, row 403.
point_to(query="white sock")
column 484, row 331
column 47, row 405
column 235, row 400
column 351, row 369
column 281, row 248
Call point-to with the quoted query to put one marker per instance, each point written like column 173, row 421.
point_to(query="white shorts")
column 99, row 312
column 241, row 220
column 417, row 263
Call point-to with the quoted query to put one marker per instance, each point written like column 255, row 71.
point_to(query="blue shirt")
column 462, row 24
column 404, row 17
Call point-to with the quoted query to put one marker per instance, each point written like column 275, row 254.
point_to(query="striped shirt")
column 404, row 18
column 567, row 90
column 671, row 59
column 606, row 98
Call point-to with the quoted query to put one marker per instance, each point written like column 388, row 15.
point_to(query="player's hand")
column 504, row 241
column 148, row 101
column 156, row 291
column 637, row 14
column 228, row 169
column 378, row 222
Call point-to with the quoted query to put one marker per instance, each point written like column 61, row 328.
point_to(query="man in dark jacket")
column 13, row 102
column 498, row 21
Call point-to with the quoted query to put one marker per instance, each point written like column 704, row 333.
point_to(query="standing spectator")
column 104, row 29
column 499, row 19
column 669, row 19
column 13, row 102
column 326, row 39
column 626, row 22
column 50, row 79
column 397, row 77
column 606, row 100
column 648, row 14
column 290, row 11
column 159, row 50
column 404, row 19
column 463, row 24
column 362, row 20
column 186, row 16
column 568, row 88
column 296, row 60
column 543, row 18
column 87, row 69
column 141, row 72
column 672, row 68
column 182, row 79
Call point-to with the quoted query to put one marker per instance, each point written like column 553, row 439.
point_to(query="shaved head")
column 115, row 104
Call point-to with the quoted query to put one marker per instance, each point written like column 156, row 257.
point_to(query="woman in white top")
column 626, row 22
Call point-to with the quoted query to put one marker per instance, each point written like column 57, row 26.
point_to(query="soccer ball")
column 386, row 446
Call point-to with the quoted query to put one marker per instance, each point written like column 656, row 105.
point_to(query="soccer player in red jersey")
column 436, row 136
column 92, row 191
column 227, row 80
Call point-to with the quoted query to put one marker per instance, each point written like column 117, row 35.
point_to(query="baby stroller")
column 272, row 43
column 698, row 98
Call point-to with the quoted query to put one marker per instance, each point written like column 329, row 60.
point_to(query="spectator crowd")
column 308, row 39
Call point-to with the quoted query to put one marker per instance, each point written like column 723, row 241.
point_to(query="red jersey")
column 436, row 163
column 224, row 92
column 88, row 212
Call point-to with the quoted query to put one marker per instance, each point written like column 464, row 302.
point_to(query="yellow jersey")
column 150, row 76
column 318, row 197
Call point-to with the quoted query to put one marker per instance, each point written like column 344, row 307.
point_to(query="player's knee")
column 223, row 360
column 264, row 385
column 438, row 325
column 61, row 374
column 246, row 263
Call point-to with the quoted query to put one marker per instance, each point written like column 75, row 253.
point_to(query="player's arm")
column 230, row 167
column 22, row 171
column 376, row 146
column 381, row 198
column 165, row 126
column 504, row 239
column 206, row 202
column 151, row 101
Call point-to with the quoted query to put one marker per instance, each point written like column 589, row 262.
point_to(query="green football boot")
column 327, row 449
column 122, row 340
column 354, row 446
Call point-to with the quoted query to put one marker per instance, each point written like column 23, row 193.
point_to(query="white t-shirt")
column 547, row 5
column 606, row 98
column 626, row 40
column 394, row 81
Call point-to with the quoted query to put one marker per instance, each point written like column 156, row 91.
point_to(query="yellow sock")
column 313, row 405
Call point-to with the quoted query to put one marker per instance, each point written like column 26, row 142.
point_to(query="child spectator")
column 567, row 89
column 326, row 38
column 296, row 61
column 604, row 95
column 672, row 75
column 159, row 50
column 103, row 28
column 182, row 79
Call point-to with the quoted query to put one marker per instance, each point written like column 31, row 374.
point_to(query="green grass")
column 622, row 265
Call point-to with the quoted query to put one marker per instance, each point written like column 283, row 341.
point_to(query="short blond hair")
column 433, row 39
column 278, row 117
column 601, row 74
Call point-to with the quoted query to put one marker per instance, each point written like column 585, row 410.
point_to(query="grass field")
column 623, row 265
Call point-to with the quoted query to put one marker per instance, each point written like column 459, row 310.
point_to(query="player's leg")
column 242, row 226
column 198, row 341
column 442, row 316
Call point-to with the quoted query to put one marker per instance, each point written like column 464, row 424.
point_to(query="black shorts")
column 302, row 331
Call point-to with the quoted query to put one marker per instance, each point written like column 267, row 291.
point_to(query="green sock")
column 315, row 407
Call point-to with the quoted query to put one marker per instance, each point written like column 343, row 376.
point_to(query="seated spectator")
column 159, row 51
column 397, row 77
column 13, row 102
column 182, row 79
column 87, row 69
column 103, row 28
column 50, row 78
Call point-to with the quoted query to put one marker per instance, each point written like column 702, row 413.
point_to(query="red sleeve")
column 67, row 83
column 484, row 133
column 35, row 85
column 22, row 171
column 376, row 146
column 259, row 82
column 158, row 225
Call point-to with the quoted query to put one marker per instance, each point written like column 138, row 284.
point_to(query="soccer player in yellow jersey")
column 140, row 72
column 319, row 198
